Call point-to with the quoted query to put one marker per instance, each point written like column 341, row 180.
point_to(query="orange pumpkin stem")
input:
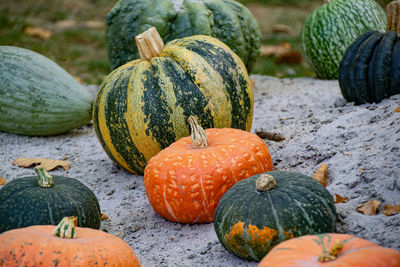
column 265, row 182
column 393, row 17
column 199, row 136
column 332, row 253
column 149, row 44
column 66, row 228
column 45, row 179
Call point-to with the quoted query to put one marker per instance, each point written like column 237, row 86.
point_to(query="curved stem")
column 66, row 228
column 149, row 44
column 393, row 17
column 45, row 179
column 199, row 136
column 332, row 253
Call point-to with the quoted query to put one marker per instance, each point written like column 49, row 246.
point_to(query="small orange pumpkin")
column 185, row 181
column 333, row 250
column 64, row 245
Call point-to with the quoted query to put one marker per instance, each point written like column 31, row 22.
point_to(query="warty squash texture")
column 330, row 249
column 226, row 20
column 185, row 181
column 142, row 107
column 64, row 245
column 37, row 96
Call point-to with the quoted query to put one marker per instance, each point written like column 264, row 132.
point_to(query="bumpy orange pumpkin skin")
column 184, row 184
column 37, row 246
column 305, row 251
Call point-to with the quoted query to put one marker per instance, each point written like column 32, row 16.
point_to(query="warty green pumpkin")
column 226, row 20
column 37, row 96
column 46, row 199
column 370, row 68
column 332, row 27
column 143, row 106
column 263, row 210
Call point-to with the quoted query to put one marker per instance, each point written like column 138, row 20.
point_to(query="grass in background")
column 81, row 49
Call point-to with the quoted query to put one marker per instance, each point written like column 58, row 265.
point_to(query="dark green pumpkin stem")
column 199, row 136
column 332, row 253
column 45, row 179
column 66, row 228
column 265, row 182
column 149, row 44
column 393, row 17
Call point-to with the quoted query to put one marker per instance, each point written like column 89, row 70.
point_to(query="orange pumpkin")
column 67, row 245
column 330, row 250
column 185, row 181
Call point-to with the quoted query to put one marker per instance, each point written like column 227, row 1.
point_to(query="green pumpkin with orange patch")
column 261, row 211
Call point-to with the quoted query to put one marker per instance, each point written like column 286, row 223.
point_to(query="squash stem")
column 45, row 179
column 149, row 44
column 66, row 228
column 265, row 182
column 332, row 253
column 393, row 17
column 199, row 136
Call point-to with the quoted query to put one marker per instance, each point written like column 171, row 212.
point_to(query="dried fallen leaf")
column 340, row 199
column 105, row 217
column 66, row 24
column 2, row 181
column 369, row 207
column 269, row 135
column 48, row 164
column 253, row 84
column 37, row 32
column 391, row 209
column 94, row 25
column 281, row 28
column 289, row 57
column 397, row 109
column 275, row 50
column 320, row 174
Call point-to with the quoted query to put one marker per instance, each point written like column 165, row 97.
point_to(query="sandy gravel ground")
column 360, row 144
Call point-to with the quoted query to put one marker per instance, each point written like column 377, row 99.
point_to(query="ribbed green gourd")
column 226, row 20
column 370, row 68
column 46, row 199
column 259, row 212
column 143, row 106
column 37, row 96
column 332, row 27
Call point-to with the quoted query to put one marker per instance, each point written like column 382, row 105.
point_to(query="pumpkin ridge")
column 276, row 218
column 395, row 77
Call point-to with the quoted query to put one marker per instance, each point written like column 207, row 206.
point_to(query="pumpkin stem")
column 393, row 17
column 265, row 182
column 149, row 44
column 199, row 136
column 332, row 253
column 66, row 228
column 45, row 179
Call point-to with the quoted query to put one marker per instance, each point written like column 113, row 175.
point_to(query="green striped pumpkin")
column 227, row 20
column 143, row 106
column 263, row 210
column 46, row 199
column 37, row 96
column 332, row 27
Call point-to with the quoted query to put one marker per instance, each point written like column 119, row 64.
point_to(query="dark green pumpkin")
column 226, row 20
column 37, row 96
column 143, row 106
column 255, row 214
column 27, row 201
column 370, row 68
column 332, row 27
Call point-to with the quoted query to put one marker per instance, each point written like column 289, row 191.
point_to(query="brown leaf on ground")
column 66, row 24
column 2, row 181
column 275, row 50
column 269, row 135
column 397, row 109
column 320, row 174
column 391, row 209
column 48, row 164
column 94, row 25
column 282, row 28
column 289, row 57
column 369, row 207
column 105, row 217
column 37, row 32
column 340, row 199
column 253, row 84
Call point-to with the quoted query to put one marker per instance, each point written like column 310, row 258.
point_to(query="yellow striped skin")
column 142, row 107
